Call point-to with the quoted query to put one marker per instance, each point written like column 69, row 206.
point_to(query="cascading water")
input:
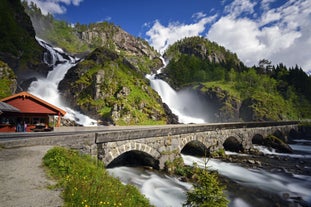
column 47, row 88
column 186, row 105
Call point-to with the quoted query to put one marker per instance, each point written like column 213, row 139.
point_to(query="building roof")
column 28, row 103
column 4, row 107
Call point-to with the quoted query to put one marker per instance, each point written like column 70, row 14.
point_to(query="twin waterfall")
column 186, row 105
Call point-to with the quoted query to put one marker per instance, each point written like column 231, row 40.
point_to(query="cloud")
column 54, row 6
column 281, row 34
column 240, row 36
column 252, row 29
column 238, row 7
column 160, row 37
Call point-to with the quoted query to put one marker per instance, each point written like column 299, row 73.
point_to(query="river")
column 249, row 186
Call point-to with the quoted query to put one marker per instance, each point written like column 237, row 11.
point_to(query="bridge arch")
column 196, row 148
column 279, row 134
column 137, row 148
column 134, row 158
column 293, row 133
column 233, row 144
column 258, row 139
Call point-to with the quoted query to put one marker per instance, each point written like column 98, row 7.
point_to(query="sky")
column 277, row 30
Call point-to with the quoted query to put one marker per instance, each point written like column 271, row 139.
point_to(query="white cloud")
column 238, row 7
column 280, row 34
column 54, row 6
column 198, row 15
column 161, row 37
column 240, row 36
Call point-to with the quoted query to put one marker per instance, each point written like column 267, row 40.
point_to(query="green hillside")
column 104, row 86
column 264, row 92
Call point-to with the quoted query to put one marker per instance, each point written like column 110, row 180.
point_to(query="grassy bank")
column 85, row 182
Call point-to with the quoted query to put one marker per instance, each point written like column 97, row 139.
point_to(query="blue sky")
column 278, row 30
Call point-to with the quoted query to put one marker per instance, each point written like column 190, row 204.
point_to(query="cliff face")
column 105, row 86
column 18, row 47
column 137, row 53
column 222, row 106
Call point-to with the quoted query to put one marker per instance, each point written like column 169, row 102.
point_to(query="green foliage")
column 219, row 153
column 207, row 191
column 17, row 35
column 277, row 93
column 7, row 80
column 122, row 89
column 196, row 59
column 85, row 182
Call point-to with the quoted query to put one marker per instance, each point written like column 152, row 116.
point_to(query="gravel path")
column 23, row 182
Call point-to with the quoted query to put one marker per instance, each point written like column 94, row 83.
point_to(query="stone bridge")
column 165, row 143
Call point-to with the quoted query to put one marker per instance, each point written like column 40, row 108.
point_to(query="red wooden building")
column 31, row 111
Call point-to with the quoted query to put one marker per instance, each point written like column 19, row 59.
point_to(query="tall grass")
column 86, row 183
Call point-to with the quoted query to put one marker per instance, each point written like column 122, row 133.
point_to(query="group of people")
column 21, row 127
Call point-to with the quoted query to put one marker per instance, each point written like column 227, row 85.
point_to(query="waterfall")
column 189, row 107
column 47, row 88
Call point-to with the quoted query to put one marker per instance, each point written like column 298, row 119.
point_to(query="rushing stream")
column 164, row 191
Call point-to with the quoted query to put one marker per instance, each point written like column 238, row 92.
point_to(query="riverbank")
column 23, row 179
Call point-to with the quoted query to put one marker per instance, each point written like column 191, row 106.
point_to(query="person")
column 18, row 127
column 25, row 127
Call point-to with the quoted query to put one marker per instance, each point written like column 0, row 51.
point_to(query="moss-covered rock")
column 109, row 90
column 222, row 105
column 7, row 80
column 277, row 144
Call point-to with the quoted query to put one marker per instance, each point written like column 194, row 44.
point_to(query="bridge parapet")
column 102, row 137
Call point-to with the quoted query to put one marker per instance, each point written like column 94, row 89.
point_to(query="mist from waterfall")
column 186, row 105
column 47, row 88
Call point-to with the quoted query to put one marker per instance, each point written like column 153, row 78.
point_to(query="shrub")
column 207, row 190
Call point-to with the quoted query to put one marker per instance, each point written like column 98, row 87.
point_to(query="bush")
column 85, row 182
column 207, row 190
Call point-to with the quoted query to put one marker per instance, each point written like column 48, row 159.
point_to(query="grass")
column 86, row 183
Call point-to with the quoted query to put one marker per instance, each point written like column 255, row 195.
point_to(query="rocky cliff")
column 107, row 87
column 222, row 106
column 19, row 48
column 80, row 40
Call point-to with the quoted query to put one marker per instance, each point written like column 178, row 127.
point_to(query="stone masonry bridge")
column 156, row 144
column 162, row 144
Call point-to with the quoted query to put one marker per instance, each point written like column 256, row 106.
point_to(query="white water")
column 302, row 151
column 47, row 88
column 186, row 105
column 169, row 191
column 262, row 179
column 160, row 190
